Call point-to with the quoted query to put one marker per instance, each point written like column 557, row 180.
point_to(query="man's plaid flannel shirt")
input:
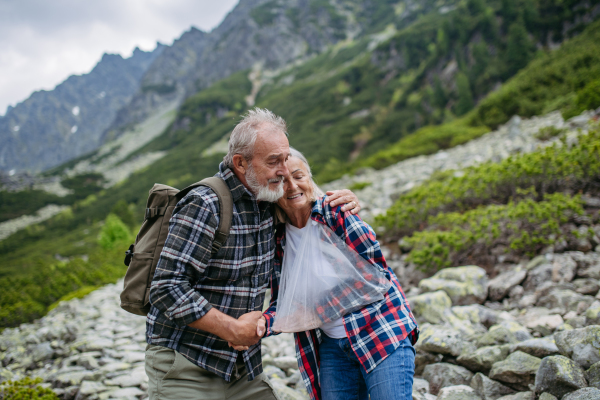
column 188, row 282
column 376, row 330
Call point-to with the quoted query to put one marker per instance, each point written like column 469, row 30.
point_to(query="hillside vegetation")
column 517, row 206
column 418, row 87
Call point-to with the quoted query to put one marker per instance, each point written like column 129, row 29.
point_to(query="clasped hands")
column 248, row 330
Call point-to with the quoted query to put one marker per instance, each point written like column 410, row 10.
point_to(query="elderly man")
column 200, row 302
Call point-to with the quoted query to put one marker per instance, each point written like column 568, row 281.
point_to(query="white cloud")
column 43, row 42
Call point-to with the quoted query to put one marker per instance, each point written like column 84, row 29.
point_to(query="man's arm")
column 244, row 331
column 183, row 259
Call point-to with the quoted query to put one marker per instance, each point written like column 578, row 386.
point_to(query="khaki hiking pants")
column 171, row 376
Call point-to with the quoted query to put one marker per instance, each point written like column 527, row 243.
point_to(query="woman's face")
column 297, row 186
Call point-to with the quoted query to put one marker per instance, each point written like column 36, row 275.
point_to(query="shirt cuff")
column 189, row 308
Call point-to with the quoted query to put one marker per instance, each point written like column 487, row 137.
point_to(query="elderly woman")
column 365, row 352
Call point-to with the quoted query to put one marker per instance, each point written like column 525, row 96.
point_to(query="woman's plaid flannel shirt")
column 376, row 330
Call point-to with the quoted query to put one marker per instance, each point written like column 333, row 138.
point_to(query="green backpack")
column 143, row 255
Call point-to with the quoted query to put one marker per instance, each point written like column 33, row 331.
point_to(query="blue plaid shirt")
column 188, row 282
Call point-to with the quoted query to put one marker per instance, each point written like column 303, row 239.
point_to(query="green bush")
column 360, row 185
column 552, row 169
column 549, row 132
column 525, row 227
column 113, row 232
column 25, row 389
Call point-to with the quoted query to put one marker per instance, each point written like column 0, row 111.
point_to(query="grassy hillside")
column 387, row 91
column 517, row 206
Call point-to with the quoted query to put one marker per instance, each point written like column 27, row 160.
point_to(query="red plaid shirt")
column 391, row 317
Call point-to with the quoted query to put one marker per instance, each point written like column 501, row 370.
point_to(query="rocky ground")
column 91, row 349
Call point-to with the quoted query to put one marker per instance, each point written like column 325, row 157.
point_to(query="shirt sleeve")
column 271, row 312
column 184, row 259
column 357, row 233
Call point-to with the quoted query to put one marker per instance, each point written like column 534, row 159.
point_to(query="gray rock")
column 565, row 300
column 519, row 396
column 442, row 340
column 42, row 352
column 581, row 345
column 536, row 347
column 476, row 314
column 547, row 396
column 124, row 393
column 132, row 379
column 583, row 394
column 423, row 359
column 564, row 268
column 465, row 285
column 506, row 332
column 458, row 392
column 538, row 275
column 483, row 358
column 500, row 286
column 592, row 375
column 586, row 286
column 442, row 375
column 273, row 372
column 72, row 378
column 592, row 314
column 286, row 393
column 89, row 388
column 517, row 371
column 558, row 375
column 285, row 363
column 420, row 385
column 489, row 389
column 430, row 307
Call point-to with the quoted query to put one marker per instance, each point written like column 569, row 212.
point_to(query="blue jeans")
column 343, row 378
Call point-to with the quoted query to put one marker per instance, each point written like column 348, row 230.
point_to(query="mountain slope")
column 52, row 127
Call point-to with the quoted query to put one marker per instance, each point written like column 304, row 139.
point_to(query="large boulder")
column 564, row 268
column 592, row 314
column 592, row 375
column 537, row 276
column 517, row 371
column 459, row 392
column 489, row 389
column 583, row 394
column 476, row 314
column 499, row 287
column 430, row 307
column 423, row 358
column 540, row 348
column 565, row 300
column 442, row 340
column 507, row 332
column 464, row 285
column 559, row 375
column 482, row 359
column 442, row 375
column 580, row 345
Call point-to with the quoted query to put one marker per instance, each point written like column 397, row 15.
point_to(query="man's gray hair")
column 244, row 134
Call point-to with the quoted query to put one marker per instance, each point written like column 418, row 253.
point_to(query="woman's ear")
column 240, row 164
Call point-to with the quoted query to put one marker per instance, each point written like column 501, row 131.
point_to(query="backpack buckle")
column 128, row 255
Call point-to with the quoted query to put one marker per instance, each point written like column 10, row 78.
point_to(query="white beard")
column 264, row 193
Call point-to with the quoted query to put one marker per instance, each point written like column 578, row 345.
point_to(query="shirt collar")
column 237, row 188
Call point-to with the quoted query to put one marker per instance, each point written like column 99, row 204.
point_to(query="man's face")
column 268, row 165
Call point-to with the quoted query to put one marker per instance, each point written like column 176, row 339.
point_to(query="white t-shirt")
column 334, row 329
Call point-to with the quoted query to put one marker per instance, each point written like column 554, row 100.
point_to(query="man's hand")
column 260, row 331
column 248, row 329
column 344, row 196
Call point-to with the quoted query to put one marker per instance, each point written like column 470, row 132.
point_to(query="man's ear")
column 240, row 164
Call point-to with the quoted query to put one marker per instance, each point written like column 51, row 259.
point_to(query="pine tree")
column 465, row 96
column 519, row 49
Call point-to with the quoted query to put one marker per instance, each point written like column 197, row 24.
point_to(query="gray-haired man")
column 201, row 302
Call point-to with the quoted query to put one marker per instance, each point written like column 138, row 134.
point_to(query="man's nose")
column 283, row 170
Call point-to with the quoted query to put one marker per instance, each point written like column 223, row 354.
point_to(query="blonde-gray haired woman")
column 365, row 352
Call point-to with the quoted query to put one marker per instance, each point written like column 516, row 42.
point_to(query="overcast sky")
column 42, row 42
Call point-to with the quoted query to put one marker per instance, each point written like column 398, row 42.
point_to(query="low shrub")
column 26, row 389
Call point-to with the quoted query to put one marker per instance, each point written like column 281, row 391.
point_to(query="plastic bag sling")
column 143, row 255
column 324, row 281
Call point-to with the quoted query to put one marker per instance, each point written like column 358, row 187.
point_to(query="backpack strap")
column 222, row 191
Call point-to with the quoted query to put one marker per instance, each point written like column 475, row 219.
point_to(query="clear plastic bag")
column 323, row 279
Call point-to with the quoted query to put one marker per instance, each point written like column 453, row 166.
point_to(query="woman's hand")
column 344, row 196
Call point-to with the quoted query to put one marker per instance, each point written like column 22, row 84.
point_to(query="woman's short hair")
column 244, row 134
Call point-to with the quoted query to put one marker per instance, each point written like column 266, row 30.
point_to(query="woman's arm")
column 275, row 278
